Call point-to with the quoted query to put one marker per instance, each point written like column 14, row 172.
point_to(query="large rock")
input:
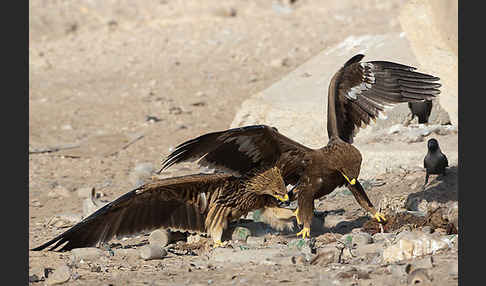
column 297, row 104
column 431, row 26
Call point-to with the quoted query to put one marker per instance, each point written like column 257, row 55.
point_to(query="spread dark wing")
column 362, row 90
column 178, row 203
column 241, row 150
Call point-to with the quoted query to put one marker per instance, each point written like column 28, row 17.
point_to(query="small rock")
column 59, row 276
column 240, row 233
column 159, row 237
column 150, row 252
column 64, row 220
column 86, row 253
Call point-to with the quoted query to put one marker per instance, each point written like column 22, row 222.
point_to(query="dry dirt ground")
column 114, row 85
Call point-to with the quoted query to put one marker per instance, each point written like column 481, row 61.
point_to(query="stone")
column 64, row 220
column 150, row 252
column 160, row 237
column 240, row 233
column 59, row 276
column 409, row 245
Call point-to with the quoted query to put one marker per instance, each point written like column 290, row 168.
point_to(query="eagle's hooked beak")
column 351, row 182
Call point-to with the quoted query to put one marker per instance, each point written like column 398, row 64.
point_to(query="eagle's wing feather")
column 177, row 203
column 361, row 91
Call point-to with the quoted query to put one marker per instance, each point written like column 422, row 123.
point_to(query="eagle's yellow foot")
column 379, row 217
column 305, row 232
column 218, row 243
column 296, row 213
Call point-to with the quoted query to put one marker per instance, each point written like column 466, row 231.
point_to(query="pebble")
column 150, row 252
column 86, row 253
column 159, row 237
column 240, row 233
column 59, row 276
column 64, row 220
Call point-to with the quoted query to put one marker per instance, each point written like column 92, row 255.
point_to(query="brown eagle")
column 357, row 93
column 203, row 203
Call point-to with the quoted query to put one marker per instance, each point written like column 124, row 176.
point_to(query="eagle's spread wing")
column 360, row 91
column 177, row 203
column 242, row 150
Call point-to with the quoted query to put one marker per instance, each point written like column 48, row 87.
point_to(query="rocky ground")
column 114, row 86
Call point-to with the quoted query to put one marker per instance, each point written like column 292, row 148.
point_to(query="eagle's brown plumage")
column 203, row 203
column 357, row 94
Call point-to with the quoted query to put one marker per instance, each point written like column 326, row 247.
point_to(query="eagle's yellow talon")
column 305, row 232
column 379, row 217
column 296, row 213
column 218, row 243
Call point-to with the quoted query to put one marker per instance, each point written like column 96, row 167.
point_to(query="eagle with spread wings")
column 357, row 94
column 202, row 203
